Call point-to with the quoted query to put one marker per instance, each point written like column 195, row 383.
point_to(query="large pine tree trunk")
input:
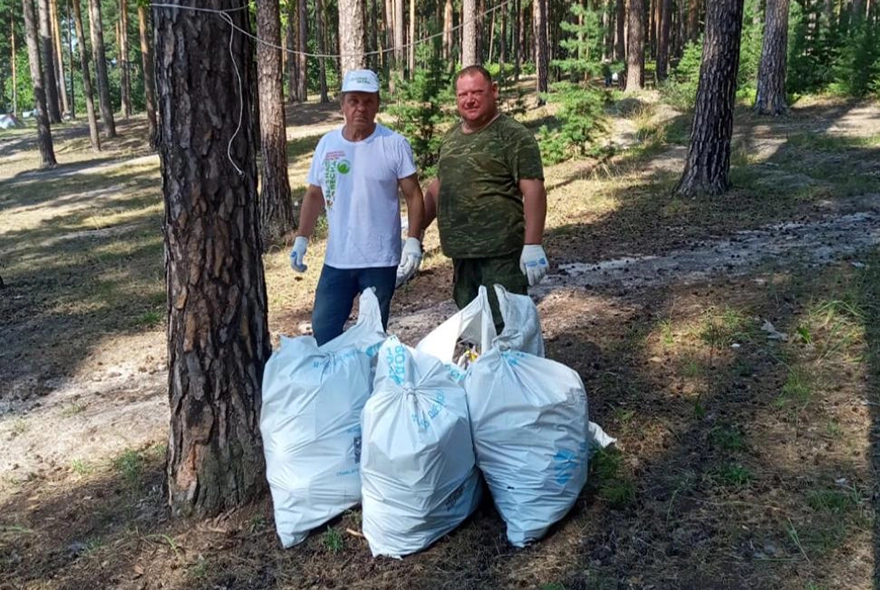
column 44, row 132
column 149, row 78
column 96, row 29
column 469, row 55
column 218, row 340
column 87, row 81
column 542, row 55
column 276, row 208
column 59, row 57
column 707, row 168
column 47, row 59
column 770, row 98
column 663, row 39
column 635, row 45
column 374, row 21
column 398, row 36
column 125, row 66
column 518, row 49
column 351, row 35
column 319, row 38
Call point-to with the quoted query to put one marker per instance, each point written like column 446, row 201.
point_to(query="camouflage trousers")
column 470, row 273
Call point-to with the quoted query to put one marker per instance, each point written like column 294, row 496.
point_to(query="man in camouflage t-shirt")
column 488, row 196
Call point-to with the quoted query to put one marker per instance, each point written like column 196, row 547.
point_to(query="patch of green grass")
column 73, row 409
column 149, row 319
column 833, row 429
column 832, row 143
column 720, row 330
column 836, row 500
column 667, row 337
column 728, row 439
column 691, row 368
column 19, row 427
column 615, row 486
column 734, row 475
column 258, row 524
column 130, row 465
column 199, row 570
column 333, row 541
column 81, row 467
column 798, row 387
column 93, row 545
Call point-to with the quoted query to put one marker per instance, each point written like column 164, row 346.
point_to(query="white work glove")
column 410, row 259
column 298, row 253
column 533, row 263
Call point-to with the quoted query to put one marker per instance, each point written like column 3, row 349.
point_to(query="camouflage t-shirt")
column 480, row 207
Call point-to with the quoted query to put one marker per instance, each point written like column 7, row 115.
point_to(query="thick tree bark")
column 59, row 57
column 542, row 57
column 469, row 56
column 770, row 98
column 663, row 39
column 47, row 59
column 96, row 28
column 87, row 81
column 374, row 21
column 149, row 78
column 218, row 340
column 276, row 208
column 44, row 132
column 322, row 65
column 125, row 67
column 707, row 168
column 351, row 35
column 635, row 45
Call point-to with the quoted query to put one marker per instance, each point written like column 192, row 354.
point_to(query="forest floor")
column 731, row 344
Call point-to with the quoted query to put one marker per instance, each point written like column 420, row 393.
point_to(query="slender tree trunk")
column 96, row 29
column 447, row 30
column 292, row 43
column 663, row 39
column 502, row 45
column 12, row 60
column 411, row 49
column 542, row 57
column 125, row 71
column 693, row 23
column 469, row 55
column 491, row 53
column 373, row 32
column 635, row 46
column 390, row 15
column 302, row 80
column 398, row 37
column 218, row 338
column 770, row 98
column 619, row 31
column 70, row 61
column 149, row 79
column 47, row 59
column 44, row 132
column 707, row 168
column 55, row 21
column 322, row 64
column 87, row 80
column 276, row 208
column 518, row 39
column 858, row 11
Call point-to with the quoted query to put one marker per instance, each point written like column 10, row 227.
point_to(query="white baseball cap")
column 360, row 81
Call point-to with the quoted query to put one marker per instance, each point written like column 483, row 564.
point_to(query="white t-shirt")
column 359, row 182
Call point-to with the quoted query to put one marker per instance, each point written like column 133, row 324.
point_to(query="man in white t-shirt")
column 356, row 172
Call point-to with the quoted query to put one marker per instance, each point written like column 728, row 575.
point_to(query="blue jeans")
column 335, row 295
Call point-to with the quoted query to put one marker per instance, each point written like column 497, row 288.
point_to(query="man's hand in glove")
column 533, row 263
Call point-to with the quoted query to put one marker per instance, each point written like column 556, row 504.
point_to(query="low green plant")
column 615, row 487
column 130, row 464
column 80, row 467
column 333, row 541
column 734, row 475
column 680, row 89
column 728, row 439
column 579, row 123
